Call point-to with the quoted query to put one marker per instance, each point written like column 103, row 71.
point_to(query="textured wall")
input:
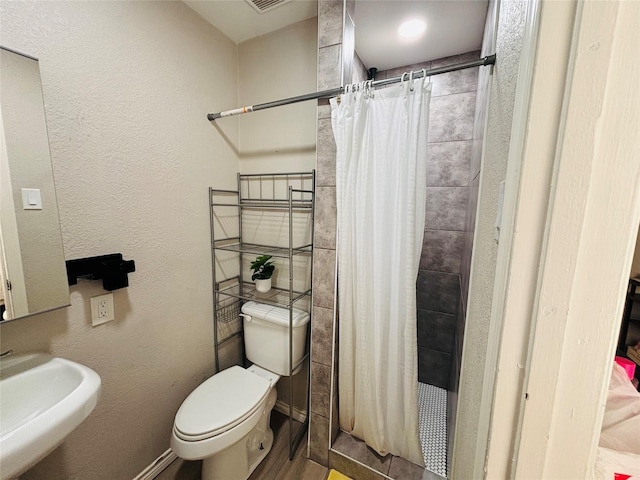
column 127, row 86
column 493, row 158
column 479, row 127
column 278, row 65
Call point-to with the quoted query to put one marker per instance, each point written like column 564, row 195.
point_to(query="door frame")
column 563, row 292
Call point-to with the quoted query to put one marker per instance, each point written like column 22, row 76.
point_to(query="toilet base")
column 227, row 465
column 238, row 461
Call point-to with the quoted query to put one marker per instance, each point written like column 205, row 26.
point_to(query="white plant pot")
column 264, row 285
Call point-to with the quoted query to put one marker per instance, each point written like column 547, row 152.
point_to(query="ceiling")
column 453, row 26
column 240, row 21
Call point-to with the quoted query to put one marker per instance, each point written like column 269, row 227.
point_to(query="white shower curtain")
column 381, row 187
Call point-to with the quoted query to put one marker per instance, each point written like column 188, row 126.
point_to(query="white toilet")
column 225, row 421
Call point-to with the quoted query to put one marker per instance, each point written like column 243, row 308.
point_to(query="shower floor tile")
column 432, row 403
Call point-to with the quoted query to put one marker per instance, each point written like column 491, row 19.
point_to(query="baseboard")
column 158, row 465
column 298, row 415
column 164, row 460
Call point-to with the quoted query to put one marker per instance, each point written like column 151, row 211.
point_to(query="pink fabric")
column 628, row 365
column 611, row 465
column 621, row 423
column 619, row 451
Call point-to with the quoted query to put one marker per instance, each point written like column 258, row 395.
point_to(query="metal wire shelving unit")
column 290, row 197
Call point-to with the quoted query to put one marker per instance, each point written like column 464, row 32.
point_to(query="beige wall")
column 278, row 65
column 127, row 86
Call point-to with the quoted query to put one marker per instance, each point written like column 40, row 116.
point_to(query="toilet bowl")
column 225, row 422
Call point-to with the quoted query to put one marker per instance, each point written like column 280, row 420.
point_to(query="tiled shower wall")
column 448, row 236
column 450, row 140
column 453, row 99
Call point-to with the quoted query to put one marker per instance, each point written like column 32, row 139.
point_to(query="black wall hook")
column 112, row 269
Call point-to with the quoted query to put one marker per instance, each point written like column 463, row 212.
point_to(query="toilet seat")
column 220, row 403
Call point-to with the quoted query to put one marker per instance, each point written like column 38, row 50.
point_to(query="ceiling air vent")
column 262, row 6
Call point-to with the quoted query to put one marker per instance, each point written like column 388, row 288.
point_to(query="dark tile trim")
column 354, row 469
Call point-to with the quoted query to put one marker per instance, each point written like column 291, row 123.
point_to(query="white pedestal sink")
column 42, row 400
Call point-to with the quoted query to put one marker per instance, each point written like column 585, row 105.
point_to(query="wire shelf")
column 277, row 297
column 255, row 249
column 265, row 207
column 228, row 318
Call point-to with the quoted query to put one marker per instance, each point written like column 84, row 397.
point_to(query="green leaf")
column 262, row 267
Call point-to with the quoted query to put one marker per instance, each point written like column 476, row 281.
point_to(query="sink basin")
column 42, row 400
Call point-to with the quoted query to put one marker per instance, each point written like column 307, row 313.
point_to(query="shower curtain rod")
column 488, row 60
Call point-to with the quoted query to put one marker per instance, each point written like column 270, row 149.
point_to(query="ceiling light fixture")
column 412, row 28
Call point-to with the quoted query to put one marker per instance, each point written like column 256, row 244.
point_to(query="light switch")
column 31, row 199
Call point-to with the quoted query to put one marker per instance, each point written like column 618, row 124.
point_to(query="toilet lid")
column 220, row 403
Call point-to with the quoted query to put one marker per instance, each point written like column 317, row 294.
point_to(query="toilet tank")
column 266, row 336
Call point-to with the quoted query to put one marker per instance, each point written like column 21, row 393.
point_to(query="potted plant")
column 262, row 271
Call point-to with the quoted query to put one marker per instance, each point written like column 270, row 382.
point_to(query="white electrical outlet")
column 102, row 309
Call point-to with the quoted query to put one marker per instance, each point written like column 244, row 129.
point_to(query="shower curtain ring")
column 424, row 75
column 411, row 81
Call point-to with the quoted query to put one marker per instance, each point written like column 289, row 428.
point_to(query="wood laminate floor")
column 276, row 466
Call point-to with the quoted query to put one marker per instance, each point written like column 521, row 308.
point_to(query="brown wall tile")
column 451, row 117
column 323, row 277
column 448, row 164
column 326, row 152
column 329, row 67
column 442, row 251
column 320, row 389
column 446, row 208
column 330, row 14
column 319, row 439
column 325, row 218
column 322, row 335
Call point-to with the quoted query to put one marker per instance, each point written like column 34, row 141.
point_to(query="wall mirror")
column 33, row 272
